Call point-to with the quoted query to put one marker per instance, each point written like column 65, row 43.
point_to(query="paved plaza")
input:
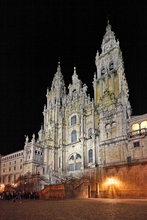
column 84, row 209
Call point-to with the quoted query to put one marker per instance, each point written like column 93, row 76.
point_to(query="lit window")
column 135, row 127
column 73, row 120
column 73, row 136
column 144, row 124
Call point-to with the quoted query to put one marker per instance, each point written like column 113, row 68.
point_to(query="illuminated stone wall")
column 122, row 181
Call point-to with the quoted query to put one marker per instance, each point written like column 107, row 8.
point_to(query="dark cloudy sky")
column 33, row 34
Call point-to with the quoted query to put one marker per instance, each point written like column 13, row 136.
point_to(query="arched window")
column 107, row 127
column 114, row 129
column 71, row 158
column 90, row 155
column 144, row 124
column 78, row 156
column 71, row 163
column 107, row 130
column 111, row 65
column 102, row 71
column 73, row 120
column 89, row 132
column 73, row 136
column 74, row 162
column 135, row 127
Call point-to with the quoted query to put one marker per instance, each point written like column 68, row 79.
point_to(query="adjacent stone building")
column 80, row 133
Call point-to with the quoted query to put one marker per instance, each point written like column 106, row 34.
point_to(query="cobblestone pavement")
column 84, row 209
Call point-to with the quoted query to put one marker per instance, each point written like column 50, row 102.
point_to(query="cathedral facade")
column 80, row 133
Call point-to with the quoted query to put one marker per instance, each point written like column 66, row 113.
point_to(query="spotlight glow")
column 112, row 182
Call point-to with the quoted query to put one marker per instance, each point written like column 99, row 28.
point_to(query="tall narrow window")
column 111, row 65
column 73, row 120
column 113, row 129
column 89, row 132
column 90, row 155
column 107, row 129
column 73, row 136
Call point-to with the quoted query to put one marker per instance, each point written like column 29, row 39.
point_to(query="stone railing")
column 140, row 132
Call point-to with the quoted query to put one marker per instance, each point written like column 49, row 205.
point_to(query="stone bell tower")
column 111, row 99
column 51, row 134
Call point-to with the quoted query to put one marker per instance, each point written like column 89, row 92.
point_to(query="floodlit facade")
column 81, row 133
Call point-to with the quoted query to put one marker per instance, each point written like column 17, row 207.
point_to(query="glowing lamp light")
column 2, row 186
column 111, row 181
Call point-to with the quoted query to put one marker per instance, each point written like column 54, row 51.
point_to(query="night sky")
column 32, row 37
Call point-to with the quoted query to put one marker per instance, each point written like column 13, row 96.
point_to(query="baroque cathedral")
column 80, row 133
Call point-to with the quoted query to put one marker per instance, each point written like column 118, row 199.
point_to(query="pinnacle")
column 59, row 67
